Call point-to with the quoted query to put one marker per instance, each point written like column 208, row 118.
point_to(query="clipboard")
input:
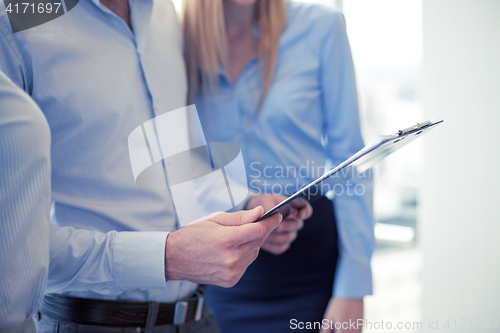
column 365, row 158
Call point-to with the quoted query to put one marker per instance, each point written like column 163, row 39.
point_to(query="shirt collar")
column 222, row 73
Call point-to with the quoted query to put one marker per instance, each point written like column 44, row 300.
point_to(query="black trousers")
column 278, row 288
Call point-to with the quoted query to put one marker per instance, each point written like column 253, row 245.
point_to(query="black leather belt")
column 85, row 311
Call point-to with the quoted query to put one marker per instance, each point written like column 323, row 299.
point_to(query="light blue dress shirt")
column 309, row 117
column 24, row 207
column 96, row 80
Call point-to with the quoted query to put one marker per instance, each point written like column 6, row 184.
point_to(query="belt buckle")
column 199, row 306
column 181, row 309
column 180, row 313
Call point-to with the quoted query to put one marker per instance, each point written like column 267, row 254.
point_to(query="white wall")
column 460, row 211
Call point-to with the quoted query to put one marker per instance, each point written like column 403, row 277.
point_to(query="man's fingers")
column 253, row 231
column 239, row 218
column 237, row 269
column 244, row 262
column 245, row 249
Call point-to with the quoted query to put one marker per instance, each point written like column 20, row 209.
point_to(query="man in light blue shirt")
column 97, row 73
column 24, row 208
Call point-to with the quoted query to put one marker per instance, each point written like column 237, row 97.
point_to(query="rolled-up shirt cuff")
column 353, row 280
column 139, row 260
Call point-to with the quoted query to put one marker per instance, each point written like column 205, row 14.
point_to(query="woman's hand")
column 293, row 220
column 345, row 312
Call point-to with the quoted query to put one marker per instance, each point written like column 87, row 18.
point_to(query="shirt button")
column 237, row 138
column 155, row 106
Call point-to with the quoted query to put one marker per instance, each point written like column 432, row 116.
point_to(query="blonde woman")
column 277, row 78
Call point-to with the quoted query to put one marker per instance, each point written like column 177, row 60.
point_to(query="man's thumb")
column 239, row 218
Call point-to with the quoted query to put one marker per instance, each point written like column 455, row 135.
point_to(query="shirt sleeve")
column 106, row 263
column 11, row 61
column 24, row 205
column 353, row 198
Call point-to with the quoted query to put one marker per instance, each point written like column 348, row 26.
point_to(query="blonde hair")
column 205, row 42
